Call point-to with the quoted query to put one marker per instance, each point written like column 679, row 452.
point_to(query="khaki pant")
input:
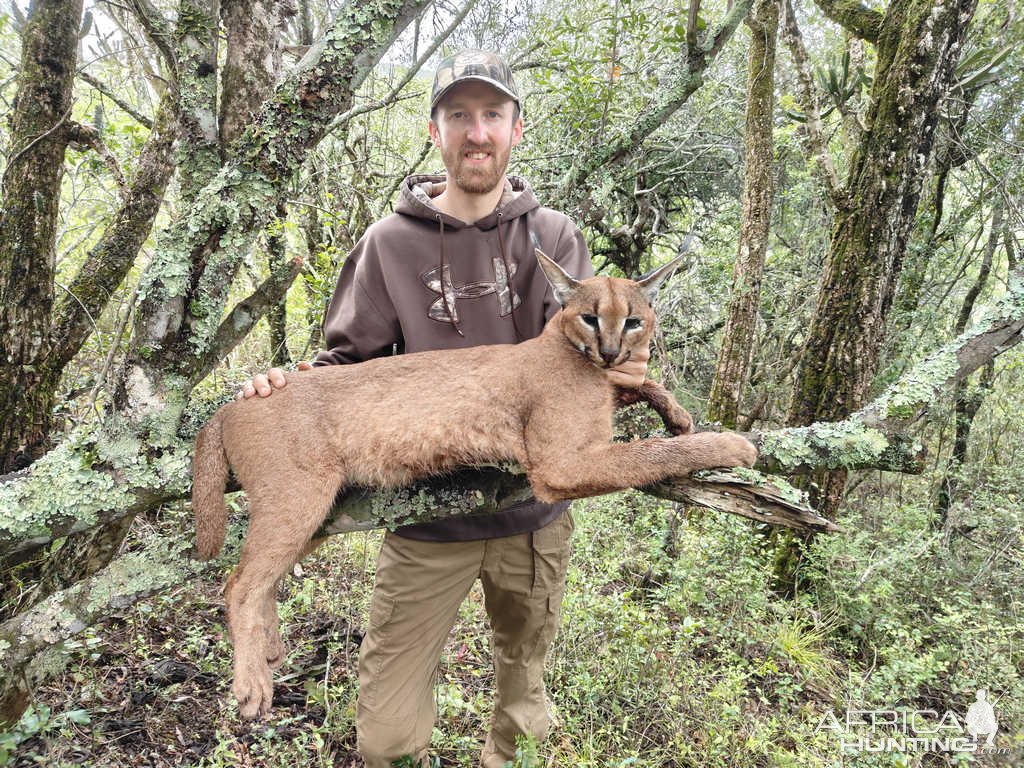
column 419, row 588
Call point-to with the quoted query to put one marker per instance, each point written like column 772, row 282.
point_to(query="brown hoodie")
column 389, row 299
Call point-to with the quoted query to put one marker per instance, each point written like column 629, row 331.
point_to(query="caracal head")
column 606, row 318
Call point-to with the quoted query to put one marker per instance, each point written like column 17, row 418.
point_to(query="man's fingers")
column 262, row 385
column 629, row 375
column 641, row 355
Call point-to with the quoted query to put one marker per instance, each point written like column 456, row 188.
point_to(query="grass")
column 673, row 652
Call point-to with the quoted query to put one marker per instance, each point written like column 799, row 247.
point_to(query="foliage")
column 674, row 649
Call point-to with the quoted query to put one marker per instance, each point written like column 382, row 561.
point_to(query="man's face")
column 473, row 126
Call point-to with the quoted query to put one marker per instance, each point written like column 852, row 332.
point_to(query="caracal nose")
column 609, row 355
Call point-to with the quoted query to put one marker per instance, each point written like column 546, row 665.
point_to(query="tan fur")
column 546, row 403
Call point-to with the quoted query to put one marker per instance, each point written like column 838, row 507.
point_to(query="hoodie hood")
column 418, row 191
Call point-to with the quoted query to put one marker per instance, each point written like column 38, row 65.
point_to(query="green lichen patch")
column 779, row 484
column 836, row 445
column 161, row 564
column 60, row 485
column 920, row 386
column 789, row 447
column 90, row 473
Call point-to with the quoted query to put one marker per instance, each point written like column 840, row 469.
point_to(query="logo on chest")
column 437, row 282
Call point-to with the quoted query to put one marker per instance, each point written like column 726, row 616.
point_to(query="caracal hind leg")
column 274, row 649
column 280, row 527
column 677, row 419
column 558, row 472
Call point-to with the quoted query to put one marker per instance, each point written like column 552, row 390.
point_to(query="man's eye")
column 632, row 323
column 590, row 320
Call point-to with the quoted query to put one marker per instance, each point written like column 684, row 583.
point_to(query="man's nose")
column 477, row 131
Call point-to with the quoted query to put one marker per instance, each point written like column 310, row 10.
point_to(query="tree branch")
column 86, row 136
column 347, row 116
column 88, row 482
column 102, row 87
column 808, row 96
column 158, row 30
column 572, row 189
column 237, row 325
column 109, row 261
column 854, row 17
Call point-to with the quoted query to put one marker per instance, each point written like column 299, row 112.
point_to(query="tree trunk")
column 28, row 225
column 197, row 43
column 758, row 185
column 252, row 61
column 918, row 46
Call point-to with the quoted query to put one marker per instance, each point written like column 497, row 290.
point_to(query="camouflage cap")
column 473, row 64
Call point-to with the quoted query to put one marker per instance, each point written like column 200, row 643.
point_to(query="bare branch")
column 100, row 86
column 809, row 103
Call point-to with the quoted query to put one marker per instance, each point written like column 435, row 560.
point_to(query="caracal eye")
column 632, row 323
column 590, row 320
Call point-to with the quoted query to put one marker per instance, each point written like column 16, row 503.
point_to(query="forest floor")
column 673, row 651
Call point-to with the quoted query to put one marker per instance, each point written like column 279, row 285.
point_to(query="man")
column 454, row 267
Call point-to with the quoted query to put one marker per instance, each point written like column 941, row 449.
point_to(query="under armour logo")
column 507, row 298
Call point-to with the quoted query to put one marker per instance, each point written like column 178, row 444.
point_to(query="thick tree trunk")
column 758, row 186
column 918, row 46
column 252, row 61
column 197, row 43
column 28, row 225
column 186, row 285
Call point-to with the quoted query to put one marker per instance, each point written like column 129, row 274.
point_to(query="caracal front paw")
column 735, row 450
column 677, row 419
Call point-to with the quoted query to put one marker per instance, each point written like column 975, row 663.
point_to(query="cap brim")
column 480, row 79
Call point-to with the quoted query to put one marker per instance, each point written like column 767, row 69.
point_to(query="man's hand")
column 265, row 384
column 631, row 374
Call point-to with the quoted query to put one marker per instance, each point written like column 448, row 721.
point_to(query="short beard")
column 476, row 182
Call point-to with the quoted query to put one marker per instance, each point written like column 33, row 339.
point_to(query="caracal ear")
column 651, row 282
column 561, row 281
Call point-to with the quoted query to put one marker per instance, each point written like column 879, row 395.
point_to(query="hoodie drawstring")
column 508, row 276
column 444, row 287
